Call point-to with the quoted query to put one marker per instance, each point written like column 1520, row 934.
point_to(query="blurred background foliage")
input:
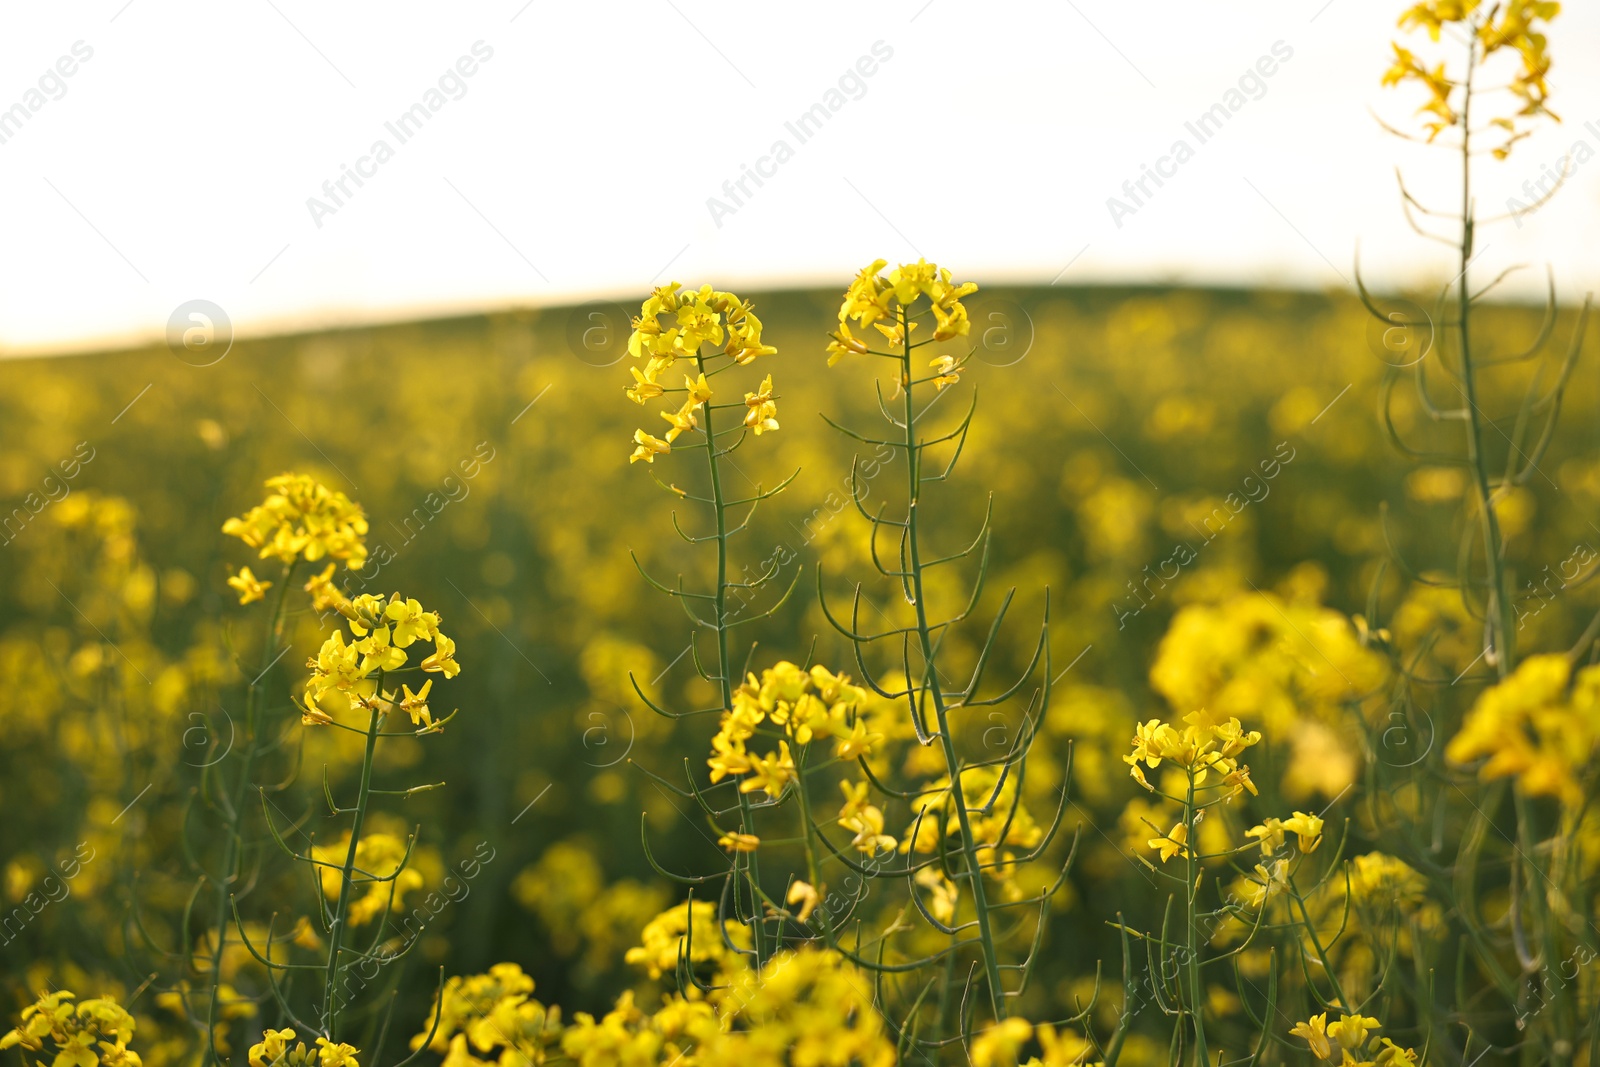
column 1113, row 425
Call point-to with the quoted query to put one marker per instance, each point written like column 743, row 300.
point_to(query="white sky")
column 178, row 163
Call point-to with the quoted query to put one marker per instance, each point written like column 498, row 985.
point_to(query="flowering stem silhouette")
column 347, row 873
column 1500, row 610
column 972, row 872
column 724, row 660
column 234, row 825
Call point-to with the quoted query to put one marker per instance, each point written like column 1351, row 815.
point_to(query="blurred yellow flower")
column 804, row 894
column 1540, row 726
column 734, row 842
column 381, row 864
column 248, row 586
column 89, row 1033
column 1001, row 1043
column 302, row 518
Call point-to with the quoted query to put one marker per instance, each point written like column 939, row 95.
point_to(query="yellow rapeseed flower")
column 303, row 519
column 1540, row 726
column 894, row 297
column 248, row 586
column 762, row 413
column 88, row 1033
column 1174, row 844
column 734, row 842
column 676, row 324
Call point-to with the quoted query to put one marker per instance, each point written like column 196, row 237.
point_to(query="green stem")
column 724, row 661
column 969, row 846
column 1501, row 611
column 1191, row 851
column 330, row 1017
column 1322, row 954
column 234, row 816
column 813, row 864
column 1559, row 1048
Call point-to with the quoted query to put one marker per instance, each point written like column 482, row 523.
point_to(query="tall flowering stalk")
column 1206, row 752
column 1280, row 899
column 347, row 681
column 351, row 687
column 970, row 823
column 300, row 520
column 1497, row 48
column 1486, row 33
column 713, row 333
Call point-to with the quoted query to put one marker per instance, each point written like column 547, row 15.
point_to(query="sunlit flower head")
column 893, row 302
column 1513, row 28
column 303, row 519
column 714, row 331
column 345, row 673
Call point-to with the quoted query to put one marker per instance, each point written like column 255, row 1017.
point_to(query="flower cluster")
column 380, row 862
column 1517, row 30
column 303, row 519
column 815, row 1006
column 88, row 1033
column 1273, row 833
column 1272, row 873
column 342, row 673
column 808, row 1006
column 999, row 819
column 483, row 1012
column 673, row 326
column 274, row 1050
column 873, row 296
column 662, row 940
column 1263, row 655
column 806, row 706
column 865, row 820
column 1540, row 726
column 683, row 1032
column 1283, row 662
column 1207, row 745
column 1002, row 1043
column 1345, row 1042
column 1378, row 879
